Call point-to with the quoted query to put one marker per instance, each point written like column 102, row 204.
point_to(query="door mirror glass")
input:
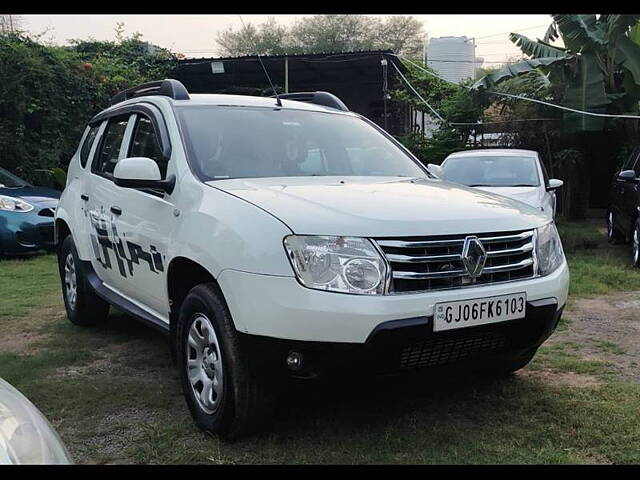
column 435, row 169
column 141, row 172
column 554, row 183
column 627, row 175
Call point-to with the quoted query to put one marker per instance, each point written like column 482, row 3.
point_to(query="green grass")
column 596, row 267
column 26, row 284
column 114, row 395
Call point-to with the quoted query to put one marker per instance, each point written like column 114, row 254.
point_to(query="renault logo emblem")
column 474, row 256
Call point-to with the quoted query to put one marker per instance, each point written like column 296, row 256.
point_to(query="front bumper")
column 403, row 346
column 279, row 307
column 26, row 232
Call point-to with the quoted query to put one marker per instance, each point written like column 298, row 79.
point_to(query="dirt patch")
column 21, row 343
column 112, row 436
column 24, row 335
column 606, row 328
column 568, row 379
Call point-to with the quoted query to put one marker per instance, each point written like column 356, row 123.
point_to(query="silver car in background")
column 518, row 174
column 26, row 437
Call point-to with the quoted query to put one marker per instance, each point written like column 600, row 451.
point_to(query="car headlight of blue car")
column 10, row 204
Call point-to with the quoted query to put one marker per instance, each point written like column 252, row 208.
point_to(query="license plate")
column 479, row 311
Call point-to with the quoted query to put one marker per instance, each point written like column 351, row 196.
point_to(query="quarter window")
column 87, row 144
column 110, row 149
column 145, row 144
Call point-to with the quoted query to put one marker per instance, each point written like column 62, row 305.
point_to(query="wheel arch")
column 183, row 274
column 60, row 231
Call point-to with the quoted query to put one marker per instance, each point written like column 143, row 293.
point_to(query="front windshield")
column 242, row 142
column 490, row 171
column 9, row 180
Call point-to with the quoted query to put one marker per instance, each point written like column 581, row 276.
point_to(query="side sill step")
column 122, row 303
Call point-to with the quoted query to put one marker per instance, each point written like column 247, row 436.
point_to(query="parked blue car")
column 26, row 215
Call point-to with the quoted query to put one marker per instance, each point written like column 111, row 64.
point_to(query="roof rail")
column 319, row 98
column 167, row 87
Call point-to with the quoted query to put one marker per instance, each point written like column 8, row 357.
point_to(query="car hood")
column 381, row 206
column 39, row 196
column 530, row 195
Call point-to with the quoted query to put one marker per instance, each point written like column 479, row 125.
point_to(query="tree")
column 325, row 34
column 268, row 38
column 48, row 93
column 597, row 70
column 402, row 34
column 453, row 103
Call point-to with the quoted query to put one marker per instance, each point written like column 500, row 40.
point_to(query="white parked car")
column 269, row 237
column 26, row 437
column 519, row 174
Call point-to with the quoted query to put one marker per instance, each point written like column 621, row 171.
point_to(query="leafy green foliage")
column 454, row 104
column 598, row 70
column 324, row 34
column 48, row 93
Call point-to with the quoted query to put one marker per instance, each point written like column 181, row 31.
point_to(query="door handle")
column 116, row 210
column 84, row 197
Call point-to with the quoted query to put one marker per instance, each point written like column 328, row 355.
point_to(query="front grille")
column 433, row 263
column 430, row 353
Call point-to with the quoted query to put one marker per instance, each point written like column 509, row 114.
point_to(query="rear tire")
column 83, row 306
column 225, row 390
column 613, row 235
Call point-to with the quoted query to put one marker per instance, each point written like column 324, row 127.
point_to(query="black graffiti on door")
column 103, row 243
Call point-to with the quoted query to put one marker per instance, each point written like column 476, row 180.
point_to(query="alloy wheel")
column 70, row 281
column 636, row 245
column 204, row 364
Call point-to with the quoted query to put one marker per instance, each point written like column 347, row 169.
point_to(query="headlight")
column 548, row 249
column 337, row 264
column 25, row 435
column 10, row 204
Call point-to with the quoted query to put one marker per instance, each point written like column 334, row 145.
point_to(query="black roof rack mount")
column 168, row 87
column 319, row 98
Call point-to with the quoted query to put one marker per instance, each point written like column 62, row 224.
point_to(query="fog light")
column 294, row 361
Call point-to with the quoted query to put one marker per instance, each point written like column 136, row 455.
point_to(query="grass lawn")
column 114, row 396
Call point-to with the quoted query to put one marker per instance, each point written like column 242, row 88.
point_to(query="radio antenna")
column 278, row 102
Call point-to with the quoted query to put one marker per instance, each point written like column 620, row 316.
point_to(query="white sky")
column 194, row 35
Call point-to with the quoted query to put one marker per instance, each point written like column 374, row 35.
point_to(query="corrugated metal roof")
column 295, row 55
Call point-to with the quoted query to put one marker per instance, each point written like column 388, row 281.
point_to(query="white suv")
column 272, row 236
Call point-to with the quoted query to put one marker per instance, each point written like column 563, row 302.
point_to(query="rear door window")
column 87, row 144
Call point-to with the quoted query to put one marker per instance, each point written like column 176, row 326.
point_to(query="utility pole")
column 10, row 23
column 385, row 88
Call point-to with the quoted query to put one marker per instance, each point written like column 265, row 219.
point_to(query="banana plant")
column 597, row 70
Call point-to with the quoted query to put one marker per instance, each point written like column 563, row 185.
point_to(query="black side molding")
column 120, row 302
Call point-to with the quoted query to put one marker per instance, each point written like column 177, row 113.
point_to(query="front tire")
column 83, row 306
column 224, row 389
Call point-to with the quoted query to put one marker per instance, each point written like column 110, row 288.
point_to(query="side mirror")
column 435, row 169
column 627, row 175
column 141, row 172
column 554, row 183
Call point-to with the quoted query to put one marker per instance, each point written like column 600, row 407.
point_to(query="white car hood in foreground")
column 533, row 196
column 381, row 206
